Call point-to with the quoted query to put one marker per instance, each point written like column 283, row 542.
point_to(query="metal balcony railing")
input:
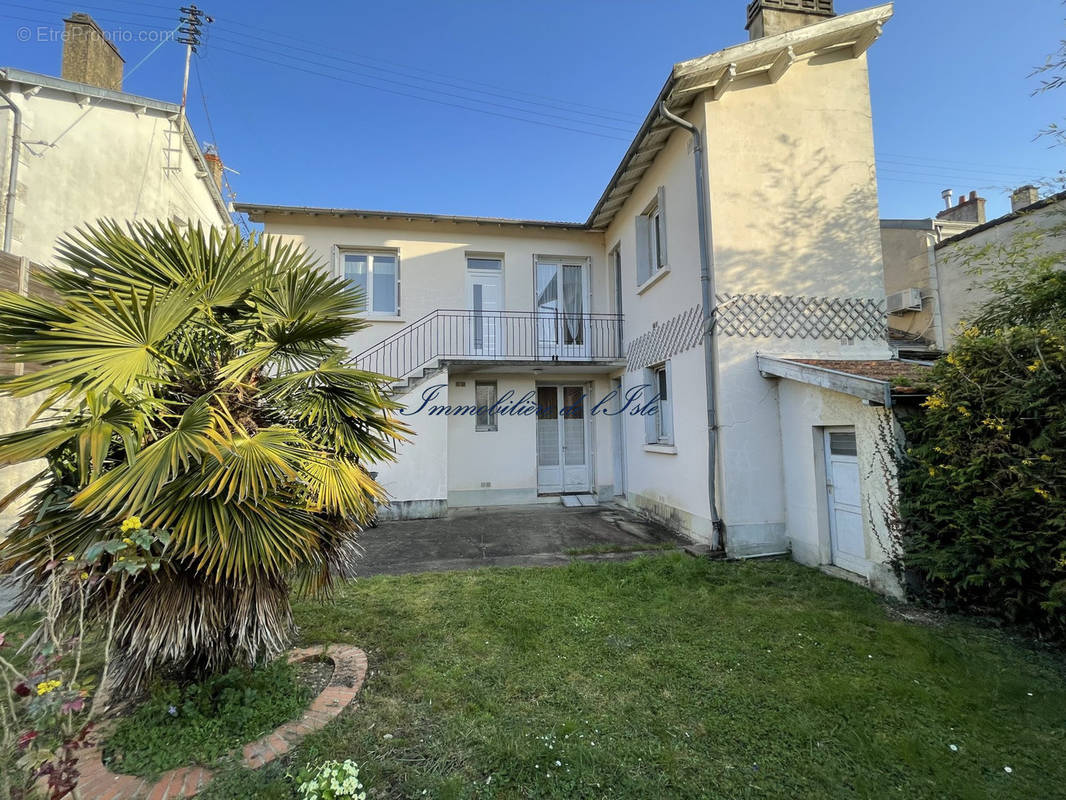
column 495, row 336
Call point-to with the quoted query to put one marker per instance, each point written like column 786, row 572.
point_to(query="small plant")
column 330, row 780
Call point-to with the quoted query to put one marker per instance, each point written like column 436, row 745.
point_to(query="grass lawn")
column 675, row 677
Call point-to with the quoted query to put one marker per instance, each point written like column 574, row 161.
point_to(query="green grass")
column 675, row 677
column 198, row 723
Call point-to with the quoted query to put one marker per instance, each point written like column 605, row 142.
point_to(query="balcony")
column 514, row 337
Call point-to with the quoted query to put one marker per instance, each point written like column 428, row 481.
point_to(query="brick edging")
column 349, row 672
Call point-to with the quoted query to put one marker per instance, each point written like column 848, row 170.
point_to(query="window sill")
column 665, row 449
column 382, row 318
column 654, row 279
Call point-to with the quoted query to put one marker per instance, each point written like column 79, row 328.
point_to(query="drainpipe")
column 707, row 294
column 13, row 175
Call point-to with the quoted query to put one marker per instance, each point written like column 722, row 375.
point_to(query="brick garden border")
column 349, row 672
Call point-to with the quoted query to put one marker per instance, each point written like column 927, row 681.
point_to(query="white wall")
column 106, row 161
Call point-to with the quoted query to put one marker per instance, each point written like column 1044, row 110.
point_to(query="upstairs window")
column 651, row 238
column 377, row 276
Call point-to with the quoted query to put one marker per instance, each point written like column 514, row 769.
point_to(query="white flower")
column 954, row 748
column 1008, row 770
column 558, row 763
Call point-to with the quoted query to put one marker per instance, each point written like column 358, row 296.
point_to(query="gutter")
column 709, row 310
column 13, row 173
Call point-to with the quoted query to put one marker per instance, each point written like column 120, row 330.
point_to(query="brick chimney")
column 771, row 17
column 970, row 209
column 89, row 56
column 214, row 166
column 1024, row 197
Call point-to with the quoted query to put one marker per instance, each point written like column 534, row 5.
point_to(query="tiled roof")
column 878, row 369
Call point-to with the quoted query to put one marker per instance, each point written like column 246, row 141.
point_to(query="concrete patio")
column 505, row 536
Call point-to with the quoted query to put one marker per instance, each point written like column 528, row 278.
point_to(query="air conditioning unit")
column 907, row 300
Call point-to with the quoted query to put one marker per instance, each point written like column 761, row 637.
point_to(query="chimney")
column 771, row 17
column 970, row 209
column 1024, row 197
column 214, row 166
column 89, row 56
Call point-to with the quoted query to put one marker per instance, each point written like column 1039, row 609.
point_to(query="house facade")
column 77, row 148
column 708, row 347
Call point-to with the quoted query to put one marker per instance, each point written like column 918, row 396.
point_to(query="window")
column 659, row 427
column 495, row 264
column 377, row 276
column 651, row 238
column 484, row 399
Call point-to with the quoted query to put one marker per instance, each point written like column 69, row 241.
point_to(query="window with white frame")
column 651, row 238
column 485, row 395
column 377, row 276
column 659, row 427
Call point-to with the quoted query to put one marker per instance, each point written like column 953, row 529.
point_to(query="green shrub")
column 199, row 722
column 983, row 481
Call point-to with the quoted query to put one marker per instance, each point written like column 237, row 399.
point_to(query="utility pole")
column 192, row 21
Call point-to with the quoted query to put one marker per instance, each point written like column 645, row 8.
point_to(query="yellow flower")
column 131, row 524
column 1045, row 457
column 932, row 472
column 84, row 576
column 971, row 333
column 951, row 359
column 1040, row 490
column 127, row 540
column 1034, row 366
column 44, row 687
column 70, row 558
column 935, row 401
column 964, row 411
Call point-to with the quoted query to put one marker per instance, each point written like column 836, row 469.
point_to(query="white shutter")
column 643, row 252
column 662, row 224
column 666, row 407
column 651, row 436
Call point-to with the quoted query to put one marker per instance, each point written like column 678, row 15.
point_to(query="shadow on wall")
column 811, row 230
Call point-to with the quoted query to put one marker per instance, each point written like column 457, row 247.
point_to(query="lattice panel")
column 763, row 315
column 665, row 340
column 784, row 317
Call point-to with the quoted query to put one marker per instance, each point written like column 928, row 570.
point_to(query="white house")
column 77, row 149
column 729, row 278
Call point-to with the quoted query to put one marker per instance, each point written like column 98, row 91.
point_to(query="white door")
column 619, row 440
column 562, row 440
column 562, row 289
column 847, row 543
column 485, row 299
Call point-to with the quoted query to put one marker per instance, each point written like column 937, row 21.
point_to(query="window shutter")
column 666, row 407
column 650, row 390
column 643, row 252
column 662, row 224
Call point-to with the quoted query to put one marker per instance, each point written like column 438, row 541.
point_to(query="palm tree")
column 194, row 380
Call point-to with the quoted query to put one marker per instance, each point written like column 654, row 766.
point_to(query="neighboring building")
column 77, row 149
column 929, row 277
column 88, row 150
column 567, row 313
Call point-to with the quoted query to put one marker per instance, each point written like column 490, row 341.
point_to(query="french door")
column 562, row 440
column 562, row 290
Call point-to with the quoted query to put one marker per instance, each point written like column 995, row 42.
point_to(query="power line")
column 541, row 123
column 214, row 140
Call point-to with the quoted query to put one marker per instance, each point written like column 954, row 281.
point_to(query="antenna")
column 192, row 21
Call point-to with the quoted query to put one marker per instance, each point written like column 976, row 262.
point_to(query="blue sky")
column 372, row 105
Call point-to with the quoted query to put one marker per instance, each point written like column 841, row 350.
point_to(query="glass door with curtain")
column 562, row 289
column 562, row 440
